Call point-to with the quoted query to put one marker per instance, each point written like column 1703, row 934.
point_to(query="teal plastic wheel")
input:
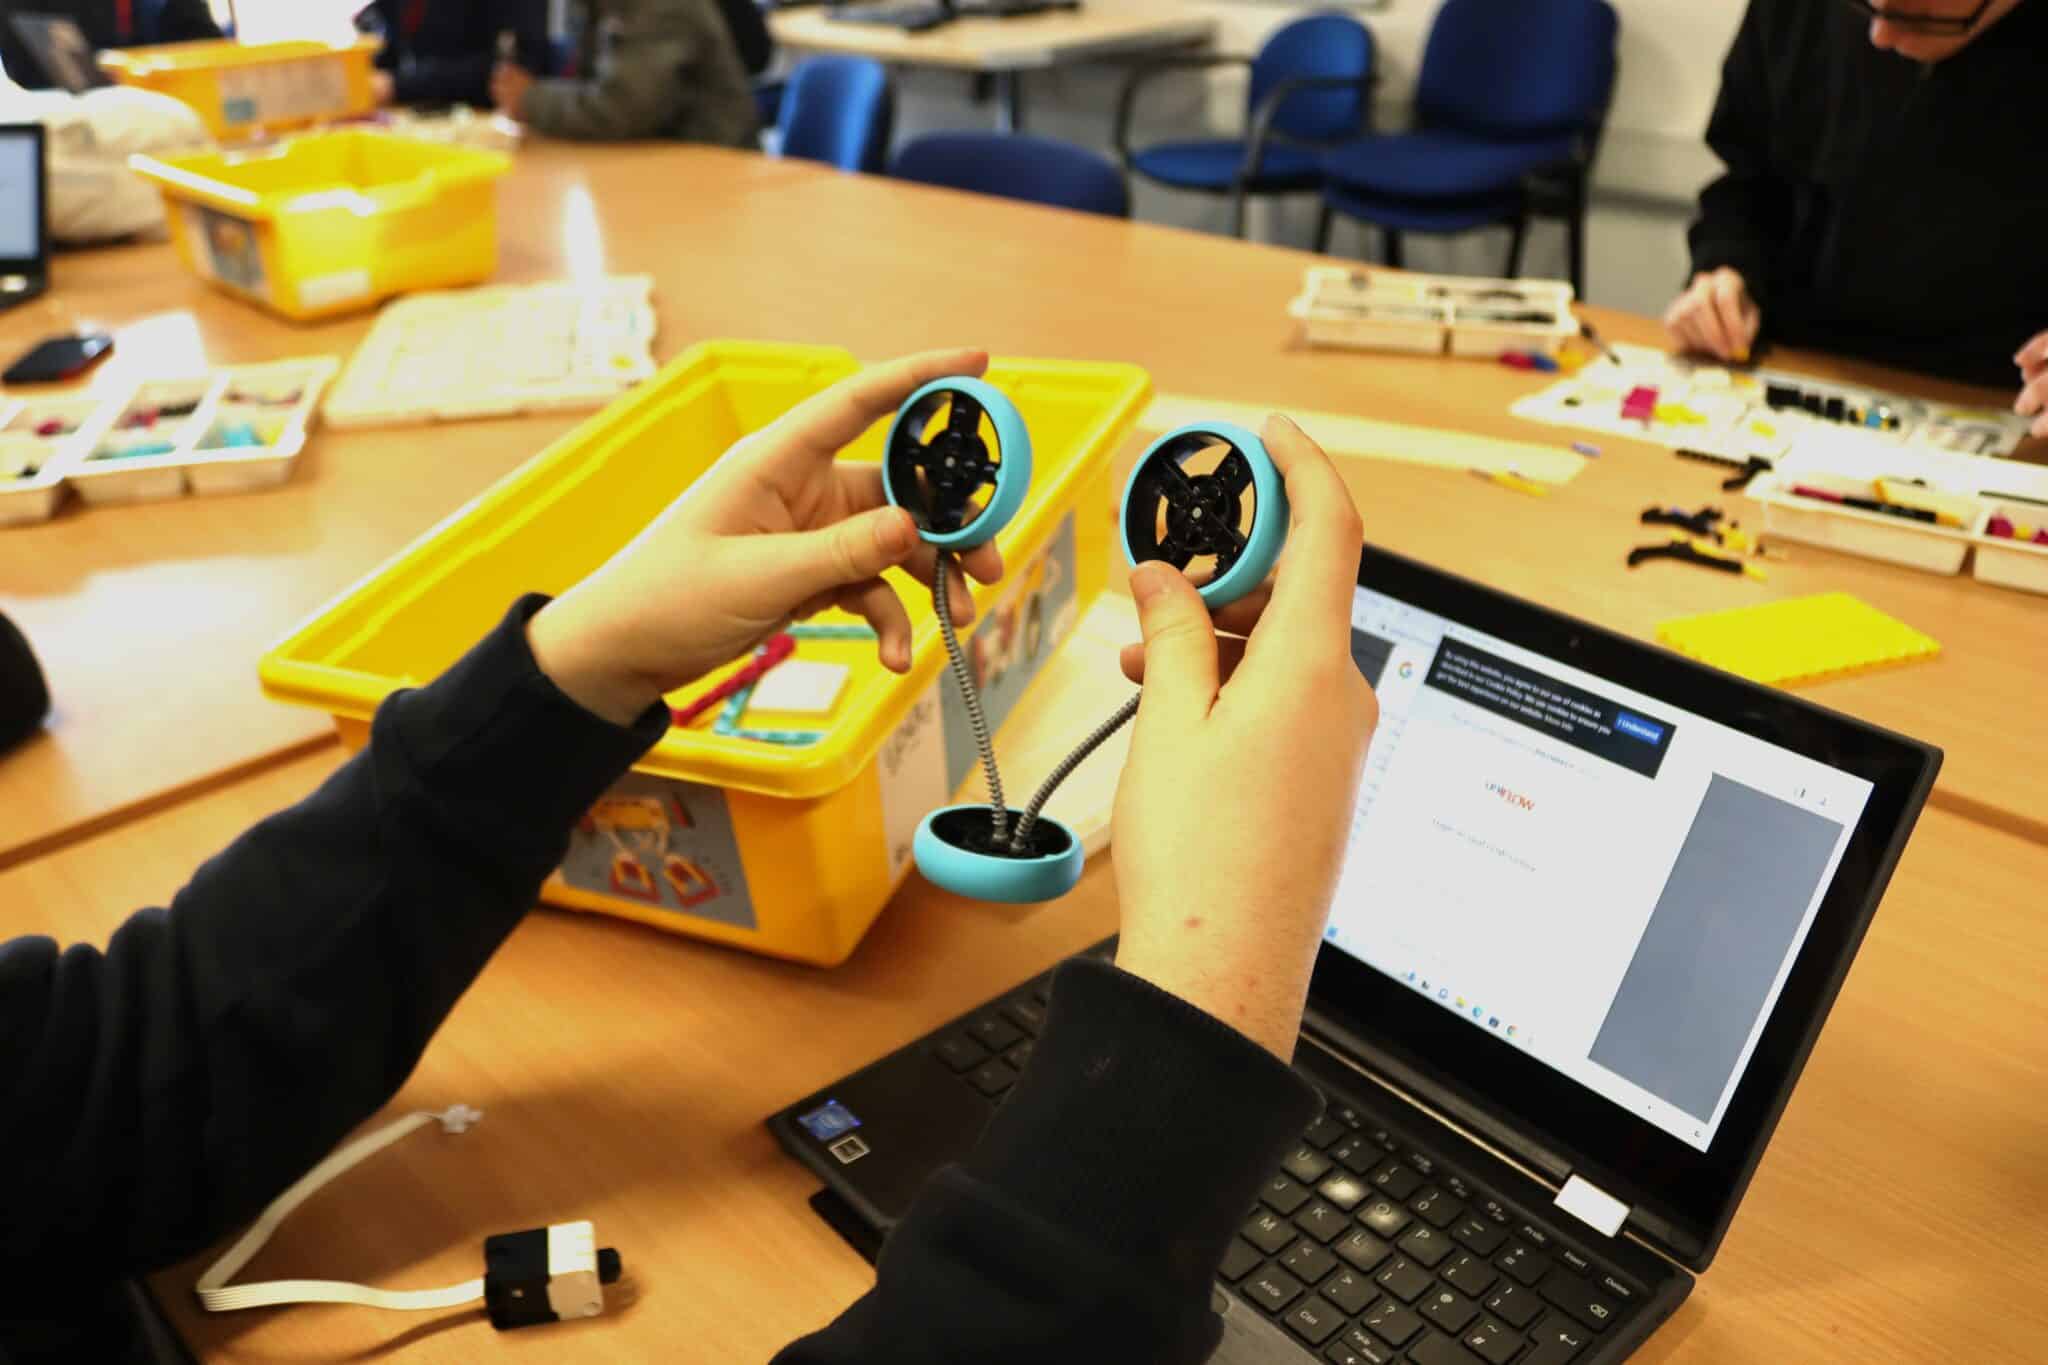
column 959, row 486
column 1207, row 492
column 955, row 848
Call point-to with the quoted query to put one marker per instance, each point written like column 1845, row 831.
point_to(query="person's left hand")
column 509, row 84
column 779, row 529
column 2033, row 400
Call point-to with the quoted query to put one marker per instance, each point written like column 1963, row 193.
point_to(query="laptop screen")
column 21, row 195
column 1598, row 899
column 1611, row 883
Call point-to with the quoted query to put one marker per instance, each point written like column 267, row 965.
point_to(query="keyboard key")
column 1449, row 1310
column 993, row 1077
column 1283, row 1194
column 1525, row 1265
column 1381, row 1136
column 1362, row 1250
column 959, row 1051
column 1385, row 1217
column 1617, row 1288
column 1516, row 1306
column 1269, row 1232
column 1481, row 1236
column 1321, row 1222
column 1359, row 1345
column 1396, row 1179
column 1423, row 1162
column 1492, row 1342
column 1534, row 1236
column 994, row 1032
column 1426, row 1245
column 1468, row 1274
column 1392, row 1323
column 1324, row 1131
column 1436, row 1208
column 1042, row 994
column 1347, row 1192
column 1306, row 1164
column 1346, row 1115
column 1020, row 1055
column 1575, row 1296
column 1458, row 1185
column 1026, row 1014
column 1240, row 1259
column 1495, row 1210
column 1436, row 1350
column 1574, row 1260
column 1350, row 1291
column 1404, row 1280
column 1357, row 1155
column 1307, row 1262
column 1314, row 1321
column 1557, row 1341
column 1272, row 1289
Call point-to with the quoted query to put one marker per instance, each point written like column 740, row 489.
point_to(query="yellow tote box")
column 242, row 90
column 780, row 820
column 333, row 222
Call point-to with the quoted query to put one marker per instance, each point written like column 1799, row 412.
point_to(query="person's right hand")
column 1715, row 315
column 1235, row 804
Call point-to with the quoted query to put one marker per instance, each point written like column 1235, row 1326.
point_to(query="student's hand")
column 383, row 89
column 2033, row 400
column 1235, row 805
column 1715, row 315
column 509, row 84
column 778, row 530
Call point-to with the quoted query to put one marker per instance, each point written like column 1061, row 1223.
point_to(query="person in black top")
column 158, row 1092
column 105, row 23
column 1880, row 191
column 443, row 51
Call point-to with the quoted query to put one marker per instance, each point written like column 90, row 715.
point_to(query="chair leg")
column 1520, row 236
column 1237, row 212
column 1392, row 247
column 1324, row 221
column 1575, row 226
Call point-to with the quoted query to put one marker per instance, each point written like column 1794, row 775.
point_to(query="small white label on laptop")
column 1590, row 1204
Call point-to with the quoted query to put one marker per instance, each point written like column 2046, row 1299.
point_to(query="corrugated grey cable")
column 1066, row 768
column 942, row 606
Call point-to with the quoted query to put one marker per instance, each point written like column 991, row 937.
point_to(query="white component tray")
column 47, row 435
column 1369, row 309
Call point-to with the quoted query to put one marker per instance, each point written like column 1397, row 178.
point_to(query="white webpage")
column 1615, row 886
column 21, row 198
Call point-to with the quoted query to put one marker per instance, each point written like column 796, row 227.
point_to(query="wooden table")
column 1003, row 48
column 150, row 619
column 625, row 1075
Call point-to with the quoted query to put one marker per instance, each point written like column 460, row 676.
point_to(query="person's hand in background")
column 2033, row 400
column 383, row 89
column 1235, row 803
column 509, row 84
column 1715, row 315
column 778, row 530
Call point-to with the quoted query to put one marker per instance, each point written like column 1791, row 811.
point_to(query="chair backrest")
column 1518, row 68
column 1316, row 45
column 1040, row 170
column 838, row 110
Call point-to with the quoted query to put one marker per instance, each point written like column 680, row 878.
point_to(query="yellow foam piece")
column 1678, row 414
column 1798, row 640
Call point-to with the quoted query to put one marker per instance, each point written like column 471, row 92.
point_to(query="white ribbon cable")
column 216, row 1296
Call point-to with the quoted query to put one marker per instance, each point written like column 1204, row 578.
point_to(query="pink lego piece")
column 1640, row 405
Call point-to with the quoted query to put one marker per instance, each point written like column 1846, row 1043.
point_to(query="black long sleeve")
column 181, row 21
column 450, row 59
column 1749, row 206
column 1089, row 1221
column 156, row 1094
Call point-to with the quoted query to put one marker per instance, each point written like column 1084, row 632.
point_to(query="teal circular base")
column 955, row 850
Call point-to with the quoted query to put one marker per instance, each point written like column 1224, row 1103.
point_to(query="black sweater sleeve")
column 156, row 1094
column 184, row 21
column 1089, row 1222
column 1749, row 206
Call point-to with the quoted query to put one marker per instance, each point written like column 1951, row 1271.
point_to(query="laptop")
column 60, row 47
column 1597, row 904
column 24, row 214
column 920, row 16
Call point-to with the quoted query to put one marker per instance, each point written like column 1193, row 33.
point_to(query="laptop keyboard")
column 1365, row 1244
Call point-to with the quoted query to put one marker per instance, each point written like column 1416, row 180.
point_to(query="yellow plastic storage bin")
column 333, row 222
column 744, row 837
column 243, row 90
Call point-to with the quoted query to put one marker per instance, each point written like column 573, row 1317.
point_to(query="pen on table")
column 1508, row 478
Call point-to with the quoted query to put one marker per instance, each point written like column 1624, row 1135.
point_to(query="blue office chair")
column 1311, row 86
column 838, row 110
column 1512, row 101
column 1040, row 170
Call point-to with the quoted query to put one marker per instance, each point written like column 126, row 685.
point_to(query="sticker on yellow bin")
column 778, row 818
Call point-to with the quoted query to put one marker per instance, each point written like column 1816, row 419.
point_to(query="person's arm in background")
column 156, row 1093
column 1742, row 212
column 1089, row 1222
column 467, row 79
column 181, row 21
column 657, row 74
